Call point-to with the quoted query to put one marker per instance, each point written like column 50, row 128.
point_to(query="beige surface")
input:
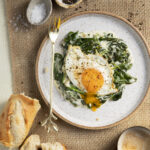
column 24, row 46
column 5, row 71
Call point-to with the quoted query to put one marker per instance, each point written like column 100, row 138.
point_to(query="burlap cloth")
column 24, row 44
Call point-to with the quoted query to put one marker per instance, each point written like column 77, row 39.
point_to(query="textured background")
column 24, row 44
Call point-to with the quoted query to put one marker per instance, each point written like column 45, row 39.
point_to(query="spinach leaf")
column 123, row 66
column 75, row 89
column 69, row 40
column 116, row 96
column 113, row 97
column 58, row 63
column 121, row 77
column 72, row 96
column 88, row 45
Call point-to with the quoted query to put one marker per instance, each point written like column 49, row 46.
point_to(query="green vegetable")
column 75, row 89
column 88, row 45
column 121, row 78
column 113, row 97
column 58, row 63
column 116, row 96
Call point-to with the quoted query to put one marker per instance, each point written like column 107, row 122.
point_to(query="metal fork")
column 53, row 34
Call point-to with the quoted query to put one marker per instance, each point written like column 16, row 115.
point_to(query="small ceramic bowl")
column 32, row 4
column 64, row 5
column 136, row 138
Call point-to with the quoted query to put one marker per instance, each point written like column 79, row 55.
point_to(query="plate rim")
column 37, row 63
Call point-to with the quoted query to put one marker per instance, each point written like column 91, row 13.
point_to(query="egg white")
column 76, row 62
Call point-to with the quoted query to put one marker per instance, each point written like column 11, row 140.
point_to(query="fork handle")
column 51, row 78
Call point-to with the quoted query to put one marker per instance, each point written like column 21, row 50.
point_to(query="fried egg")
column 90, row 73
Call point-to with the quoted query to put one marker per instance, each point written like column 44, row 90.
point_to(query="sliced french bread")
column 16, row 119
column 33, row 143
column 52, row 146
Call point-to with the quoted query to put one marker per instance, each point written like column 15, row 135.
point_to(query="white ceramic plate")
column 110, row 113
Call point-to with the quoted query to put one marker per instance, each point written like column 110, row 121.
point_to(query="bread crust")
column 31, row 143
column 52, row 146
column 29, row 109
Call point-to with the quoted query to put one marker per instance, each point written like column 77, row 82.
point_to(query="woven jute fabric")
column 25, row 41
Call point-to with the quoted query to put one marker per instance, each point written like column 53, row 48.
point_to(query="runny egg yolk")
column 92, row 81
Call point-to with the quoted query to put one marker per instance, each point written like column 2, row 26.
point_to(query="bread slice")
column 31, row 143
column 16, row 119
column 54, row 146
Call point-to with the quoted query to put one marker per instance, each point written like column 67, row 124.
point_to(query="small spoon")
column 134, row 138
column 33, row 3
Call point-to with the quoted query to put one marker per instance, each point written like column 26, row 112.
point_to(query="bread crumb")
column 45, row 70
column 97, row 119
